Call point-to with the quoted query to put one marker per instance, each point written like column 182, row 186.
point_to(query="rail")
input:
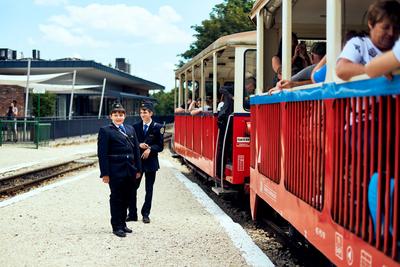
column 13, row 183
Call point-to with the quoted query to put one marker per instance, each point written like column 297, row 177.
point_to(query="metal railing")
column 63, row 128
column 24, row 132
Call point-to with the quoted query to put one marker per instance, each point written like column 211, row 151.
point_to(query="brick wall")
column 8, row 94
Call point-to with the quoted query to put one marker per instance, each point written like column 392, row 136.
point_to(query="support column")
column 286, row 39
column 202, row 79
column 28, row 74
column 260, row 52
column 215, row 81
column 102, row 97
column 333, row 37
column 186, row 91
column 72, row 96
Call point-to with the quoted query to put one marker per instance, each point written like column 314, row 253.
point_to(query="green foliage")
column 165, row 102
column 47, row 104
column 226, row 18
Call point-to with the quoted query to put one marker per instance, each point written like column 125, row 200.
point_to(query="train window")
column 249, row 80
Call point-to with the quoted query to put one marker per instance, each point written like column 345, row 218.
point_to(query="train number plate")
column 243, row 141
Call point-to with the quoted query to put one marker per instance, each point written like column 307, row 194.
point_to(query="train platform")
column 15, row 159
column 66, row 223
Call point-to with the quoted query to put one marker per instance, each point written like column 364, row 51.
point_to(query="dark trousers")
column 150, row 177
column 121, row 192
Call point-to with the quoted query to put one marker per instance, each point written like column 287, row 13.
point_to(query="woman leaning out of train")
column 384, row 27
column 385, row 64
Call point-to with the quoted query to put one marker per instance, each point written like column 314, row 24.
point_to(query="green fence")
column 24, row 132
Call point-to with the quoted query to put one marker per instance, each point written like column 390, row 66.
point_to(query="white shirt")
column 206, row 108
column 220, row 105
column 396, row 50
column 15, row 111
column 360, row 50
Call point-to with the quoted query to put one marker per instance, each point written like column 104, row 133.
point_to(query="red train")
column 324, row 156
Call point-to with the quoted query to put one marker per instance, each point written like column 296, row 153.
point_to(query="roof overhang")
column 88, row 69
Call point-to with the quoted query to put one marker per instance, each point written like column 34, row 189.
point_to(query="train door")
column 236, row 138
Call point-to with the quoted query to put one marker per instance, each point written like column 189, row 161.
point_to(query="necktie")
column 122, row 128
column 145, row 128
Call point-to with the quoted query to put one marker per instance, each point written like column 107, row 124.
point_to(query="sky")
column 148, row 33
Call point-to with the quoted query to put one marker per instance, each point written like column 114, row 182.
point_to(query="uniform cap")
column 147, row 105
column 117, row 107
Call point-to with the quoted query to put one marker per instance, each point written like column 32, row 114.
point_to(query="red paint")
column 195, row 140
column 327, row 153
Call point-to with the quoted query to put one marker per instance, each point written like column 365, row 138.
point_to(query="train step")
column 223, row 191
column 174, row 155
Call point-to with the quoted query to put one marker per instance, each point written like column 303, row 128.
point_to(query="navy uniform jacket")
column 155, row 139
column 117, row 157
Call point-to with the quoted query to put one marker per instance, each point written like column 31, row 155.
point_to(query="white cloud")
column 50, row 2
column 116, row 21
column 73, row 37
column 169, row 14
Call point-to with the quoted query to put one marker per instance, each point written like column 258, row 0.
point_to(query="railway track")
column 16, row 182
column 13, row 183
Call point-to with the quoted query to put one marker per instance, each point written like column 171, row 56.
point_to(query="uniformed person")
column 150, row 135
column 120, row 165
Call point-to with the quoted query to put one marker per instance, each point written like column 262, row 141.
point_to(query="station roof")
column 87, row 68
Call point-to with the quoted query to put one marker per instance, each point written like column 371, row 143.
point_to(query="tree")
column 226, row 18
column 165, row 102
column 47, row 104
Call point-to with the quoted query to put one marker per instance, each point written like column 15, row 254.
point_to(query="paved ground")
column 67, row 223
column 14, row 158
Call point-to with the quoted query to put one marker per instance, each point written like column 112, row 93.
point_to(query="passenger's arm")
column 179, row 110
column 346, row 69
column 285, row 84
column 276, row 63
column 192, row 106
column 381, row 65
column 196, row 111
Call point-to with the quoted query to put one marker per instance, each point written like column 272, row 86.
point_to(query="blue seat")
column 373, row 202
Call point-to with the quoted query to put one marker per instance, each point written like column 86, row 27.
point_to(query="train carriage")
column 229, row 61
column 326, row 156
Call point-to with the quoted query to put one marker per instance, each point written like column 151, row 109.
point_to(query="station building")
column 120, row 85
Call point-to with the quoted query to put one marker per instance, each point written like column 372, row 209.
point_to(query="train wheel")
column 253, row 204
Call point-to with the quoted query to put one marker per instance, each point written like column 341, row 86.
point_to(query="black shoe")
column 119, row 233
column 127, row 230
column 146, row 219
column 131, row 219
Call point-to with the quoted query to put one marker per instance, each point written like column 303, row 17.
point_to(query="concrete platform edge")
column 250, row 251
